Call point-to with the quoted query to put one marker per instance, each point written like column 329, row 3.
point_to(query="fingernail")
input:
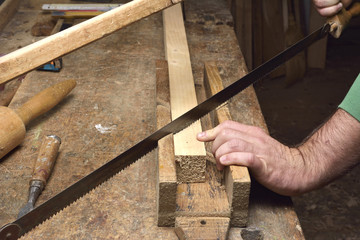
column 202, row 134
column 340, row 6
column 223, row 159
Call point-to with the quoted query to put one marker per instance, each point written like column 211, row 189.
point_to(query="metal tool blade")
column 89, row 182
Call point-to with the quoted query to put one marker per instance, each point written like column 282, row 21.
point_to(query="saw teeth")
column 79, row 198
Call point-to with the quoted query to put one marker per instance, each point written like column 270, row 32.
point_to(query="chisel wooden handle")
column 45, row 100
column 46, row 158
column 342, row 19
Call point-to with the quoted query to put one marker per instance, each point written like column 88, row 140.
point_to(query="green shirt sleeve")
column 351, row 102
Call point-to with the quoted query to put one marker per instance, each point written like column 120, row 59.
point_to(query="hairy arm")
column 334, row 148
column 324, row 156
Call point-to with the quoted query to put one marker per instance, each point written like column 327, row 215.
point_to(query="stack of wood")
column 265, row 28
column 192, row 195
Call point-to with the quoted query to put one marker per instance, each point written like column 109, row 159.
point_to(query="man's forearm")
column 332, row 150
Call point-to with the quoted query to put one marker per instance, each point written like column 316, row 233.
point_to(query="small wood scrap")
column 190, row 154
column 202, row 228
column 166, row 185
column 43, row 28
column 8, row 90
column 237, row 178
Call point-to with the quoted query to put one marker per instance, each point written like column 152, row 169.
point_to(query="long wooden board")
column 34, row 55
column 237, row 178
column 190, row 154
column 166, row 185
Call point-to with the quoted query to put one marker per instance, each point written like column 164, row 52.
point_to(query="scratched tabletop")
column 111, row 109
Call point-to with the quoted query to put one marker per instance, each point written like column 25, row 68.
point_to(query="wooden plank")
column 316, row 53
column 34, row 55
column 257, row 33
column 273, row 33
column 7, row 10
column 190, row 154
column 237, row 178
column 242, row 14
column 202, row 228
column 166, row 185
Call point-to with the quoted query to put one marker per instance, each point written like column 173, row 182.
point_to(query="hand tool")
column 103, row 7
column 52, row 206
column 42, row 170
column 340, row 21
column 43, row 212
column 53, row 66
column 13, row 122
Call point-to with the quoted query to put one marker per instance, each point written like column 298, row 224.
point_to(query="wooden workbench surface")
column 112, row 108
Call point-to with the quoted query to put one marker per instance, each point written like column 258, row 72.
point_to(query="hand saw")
column 43, row 212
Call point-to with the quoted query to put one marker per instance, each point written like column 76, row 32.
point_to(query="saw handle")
column 45, row 100
column 341, row 20
column 46, row 158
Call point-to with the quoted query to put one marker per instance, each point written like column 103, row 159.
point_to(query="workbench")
column 111, row 109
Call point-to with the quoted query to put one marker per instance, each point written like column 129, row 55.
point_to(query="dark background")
column 292, row 113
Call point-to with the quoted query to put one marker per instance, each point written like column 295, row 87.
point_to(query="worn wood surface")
column 236, row 178
column 190, row 154
column 7, row 9
column 166, row 185
column 113, row 107
column 61, row 43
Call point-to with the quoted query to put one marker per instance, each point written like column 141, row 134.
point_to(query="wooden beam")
column 316, row 53
column 202, row 228
column 237, row 178
column 241, row 11
column 190, row 154
column 166, row 178
column 34, row 55
column 7, row 9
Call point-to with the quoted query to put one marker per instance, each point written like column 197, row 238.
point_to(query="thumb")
column 208, row 135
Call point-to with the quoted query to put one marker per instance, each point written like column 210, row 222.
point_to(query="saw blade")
column 100, row 175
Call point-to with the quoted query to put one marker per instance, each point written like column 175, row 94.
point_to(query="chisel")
column 42, row 170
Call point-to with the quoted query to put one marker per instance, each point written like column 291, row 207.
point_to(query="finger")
column 325, row 3
column 211, row 134
column 208, row 135
column 245, row 159
column 330, row 11
column 232, row 145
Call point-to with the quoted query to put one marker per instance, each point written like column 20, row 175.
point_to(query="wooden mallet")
column 13, row 122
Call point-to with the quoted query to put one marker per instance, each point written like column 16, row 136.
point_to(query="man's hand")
column 276, row 166
column 329, row 153
column 328, row 8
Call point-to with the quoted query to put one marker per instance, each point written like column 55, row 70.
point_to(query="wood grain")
column 166, row 185
column 202, row 228
column 190, row 154
column 116, row 91
column 237, row 178
column 34, row 55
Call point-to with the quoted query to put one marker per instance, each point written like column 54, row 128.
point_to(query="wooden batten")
column 190, row 154
column 237, row 178
column 36, row 54
column 166, row 185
